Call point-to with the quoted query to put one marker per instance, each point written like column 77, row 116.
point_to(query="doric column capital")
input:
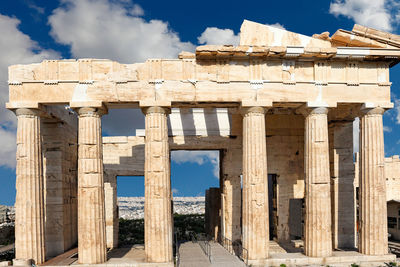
column 248, row 110
column 307, row 111
column 371, row 111
column 91, row 112
column 156, row 109
column 28, row 112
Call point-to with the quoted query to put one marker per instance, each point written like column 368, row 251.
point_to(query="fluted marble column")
column 157, row 211
column 91, row 213
column 255, row 223
column 29, row 206
column 373, row 210
column 317, row 232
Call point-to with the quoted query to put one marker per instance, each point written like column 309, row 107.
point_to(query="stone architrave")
column 255, row 227
column 91, row 210
column 373, row 210
column 317, row 229
column 29, row 203
column 157, row 210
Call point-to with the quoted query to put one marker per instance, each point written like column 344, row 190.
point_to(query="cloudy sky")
column 131, row 31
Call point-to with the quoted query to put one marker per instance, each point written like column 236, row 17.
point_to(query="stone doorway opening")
column 193, row 172
column 130, row 212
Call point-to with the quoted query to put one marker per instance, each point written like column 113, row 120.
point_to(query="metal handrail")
column 235, row 248
column 203, row 241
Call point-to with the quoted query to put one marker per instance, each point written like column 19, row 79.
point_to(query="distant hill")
column 133, row 207
column 130, row 208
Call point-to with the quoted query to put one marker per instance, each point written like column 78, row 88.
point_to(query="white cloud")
column 137, row 10
column 38, row 9
column 396, row 109
column 113, row 30
column 387, row 129
column 8, row 148
column 15, row 48
column 379, row 14
column 199, row 157
column 216, row 36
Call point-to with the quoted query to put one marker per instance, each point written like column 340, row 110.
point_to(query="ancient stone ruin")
column 283, row 105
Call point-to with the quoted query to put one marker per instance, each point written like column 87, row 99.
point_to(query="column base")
column 22, row 262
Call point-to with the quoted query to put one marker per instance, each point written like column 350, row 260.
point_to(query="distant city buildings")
column 133, row 207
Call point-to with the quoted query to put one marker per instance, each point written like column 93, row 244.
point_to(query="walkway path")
column 191, row 255
column 221, row 257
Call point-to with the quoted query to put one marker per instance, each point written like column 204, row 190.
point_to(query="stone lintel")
column 255, row 103
column 15, row 105
column 154, row 103
column 317, row 104
column 82, row 104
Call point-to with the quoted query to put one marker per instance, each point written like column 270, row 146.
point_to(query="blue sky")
column 131, row 31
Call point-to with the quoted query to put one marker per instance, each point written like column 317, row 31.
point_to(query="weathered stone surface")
column 231, row 195
column 158, row 205
column 269, row 59
column 373, row 209
column 342, row 183
column 252, row 33
column 380, row 36
column 212, row 217
column 392, row 175
column 91, row 210
column 317, row 236
column 29, row 203
column 60, row 184
column 111, row 210
column 255, row 219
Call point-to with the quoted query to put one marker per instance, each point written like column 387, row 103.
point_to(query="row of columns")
column 158, row 211
column 318, row 237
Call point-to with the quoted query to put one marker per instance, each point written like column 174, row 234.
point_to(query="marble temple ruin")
column 279, row 107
